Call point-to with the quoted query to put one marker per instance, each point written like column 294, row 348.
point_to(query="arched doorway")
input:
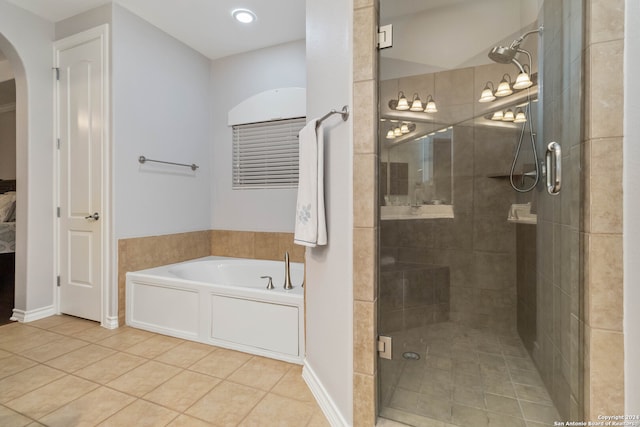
column 7, row 189
column 13, row 269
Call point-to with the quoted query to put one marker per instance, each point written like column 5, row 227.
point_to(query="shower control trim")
column 553, row 159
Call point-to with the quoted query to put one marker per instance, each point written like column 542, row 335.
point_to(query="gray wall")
column 26, row 41
column 234, row 79
column 329, row 270
column 161, row 110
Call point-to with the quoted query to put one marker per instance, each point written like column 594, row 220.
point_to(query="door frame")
column 109, row 316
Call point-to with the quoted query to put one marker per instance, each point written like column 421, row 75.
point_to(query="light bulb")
column 504, row 88
column 403, row 104
column 244, row 15
column 522, row 81
column 416, row 104
column 431, row 106
column 520, row 117
column 487, row 94
column 508, row 116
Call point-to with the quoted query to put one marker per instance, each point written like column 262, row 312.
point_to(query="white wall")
column 160, row 104
column 329, row 282
column 489, row 21
column 26, row 40
column 234, row 79
column 631, row 177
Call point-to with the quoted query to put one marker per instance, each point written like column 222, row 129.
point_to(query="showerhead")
column 502, row 55
column 506, row 55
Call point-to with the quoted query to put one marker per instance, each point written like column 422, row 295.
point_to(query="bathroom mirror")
column 417, row 170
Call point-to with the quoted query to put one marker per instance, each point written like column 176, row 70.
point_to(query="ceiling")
column 205, row 25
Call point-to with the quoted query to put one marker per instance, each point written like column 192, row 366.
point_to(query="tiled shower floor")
column 465, row 377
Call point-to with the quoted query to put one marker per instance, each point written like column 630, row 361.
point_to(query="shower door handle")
column 554, row 168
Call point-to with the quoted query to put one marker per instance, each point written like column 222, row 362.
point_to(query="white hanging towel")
column 311, row 227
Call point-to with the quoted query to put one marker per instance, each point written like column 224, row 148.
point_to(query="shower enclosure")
column 480, row 299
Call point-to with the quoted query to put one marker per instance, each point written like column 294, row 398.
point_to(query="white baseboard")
column 111, row 322
column 31, row 315
column 326, row 404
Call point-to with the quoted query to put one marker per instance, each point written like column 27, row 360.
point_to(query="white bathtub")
column 224, row 302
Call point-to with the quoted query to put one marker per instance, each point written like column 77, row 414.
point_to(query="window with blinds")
column 265, row 155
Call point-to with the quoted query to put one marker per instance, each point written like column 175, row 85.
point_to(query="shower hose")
column 533, row 148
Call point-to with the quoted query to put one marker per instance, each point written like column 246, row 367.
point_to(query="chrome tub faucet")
column 287, row 272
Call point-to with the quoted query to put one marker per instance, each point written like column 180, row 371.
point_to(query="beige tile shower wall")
column 255, row 245
column 478, row 245
column 365, row 210
column 147, row 252
column 603, row 281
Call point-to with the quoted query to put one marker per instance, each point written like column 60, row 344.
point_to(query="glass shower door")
column 479, row 285
column 557, row 348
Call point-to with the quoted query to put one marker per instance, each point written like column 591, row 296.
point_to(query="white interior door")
column 81, row 149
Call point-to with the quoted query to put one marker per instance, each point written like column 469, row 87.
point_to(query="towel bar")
column 143, row 159
column 344, row 113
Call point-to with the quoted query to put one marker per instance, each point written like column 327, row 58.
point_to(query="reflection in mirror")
column 417, row 171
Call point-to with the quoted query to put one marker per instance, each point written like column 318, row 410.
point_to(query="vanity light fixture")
column 431, row 105
column 523, row 80
column 405, row 128
column 244, row 16
column 416, row 104
column 487, row 93
column 504, row 88
column 397, row 131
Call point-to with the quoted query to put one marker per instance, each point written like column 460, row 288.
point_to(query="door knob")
column 95, row 216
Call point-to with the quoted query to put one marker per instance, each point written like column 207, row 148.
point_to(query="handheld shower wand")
column 507, row 55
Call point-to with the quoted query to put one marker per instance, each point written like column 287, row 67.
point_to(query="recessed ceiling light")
column 244, row 15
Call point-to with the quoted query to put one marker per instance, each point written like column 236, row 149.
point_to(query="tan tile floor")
column 464, row 378
column 67, row 372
